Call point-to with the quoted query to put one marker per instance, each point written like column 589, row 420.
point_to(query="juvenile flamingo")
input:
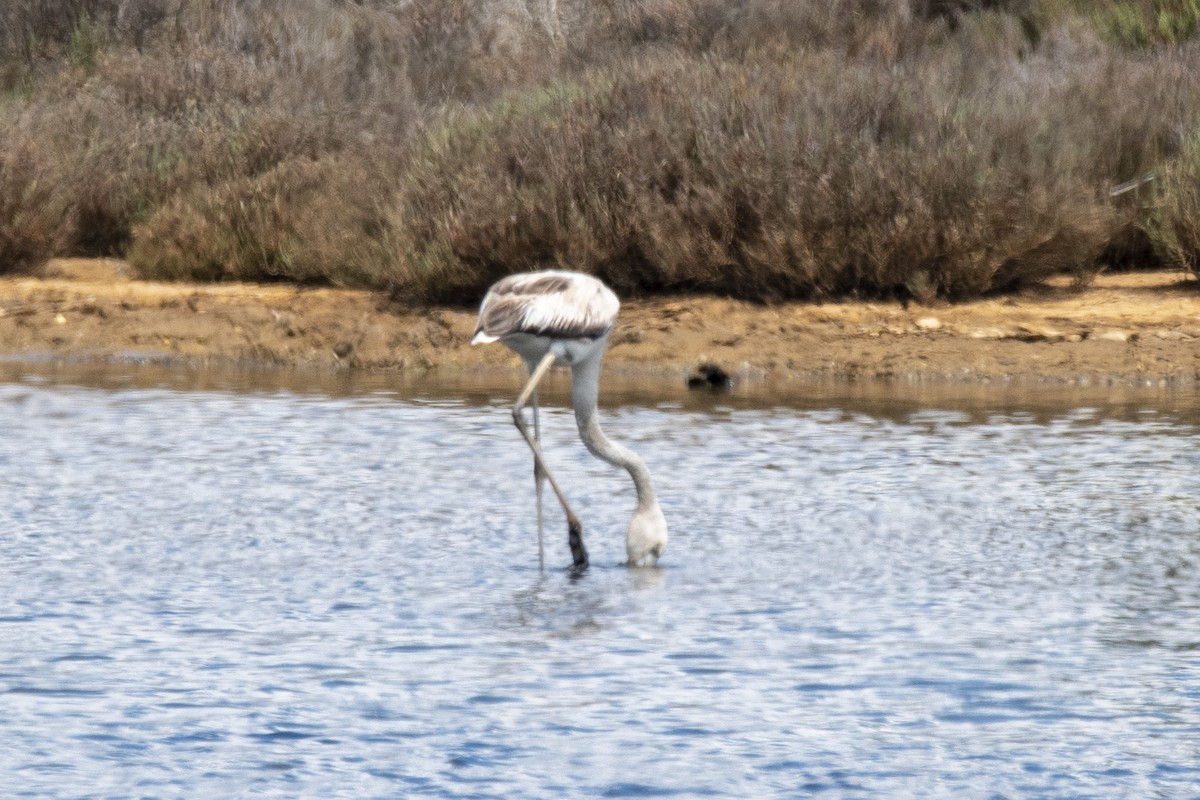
column 565, row 318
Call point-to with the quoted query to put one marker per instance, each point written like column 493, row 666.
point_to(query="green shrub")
column 1175, row 223
column 84, row 44
column 30, row 28
column 1141, row 23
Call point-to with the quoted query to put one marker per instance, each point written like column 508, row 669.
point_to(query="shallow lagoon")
column 265, row 585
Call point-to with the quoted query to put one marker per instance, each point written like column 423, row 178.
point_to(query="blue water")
column 283, row 594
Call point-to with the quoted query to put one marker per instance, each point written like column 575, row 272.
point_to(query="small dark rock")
column 710, row 376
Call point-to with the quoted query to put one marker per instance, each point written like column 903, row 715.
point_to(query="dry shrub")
column 458, row 50
column 735, row 30
column 343, row 56
column 140, row 128
column 111, row 165
column 812, row 176
column 767, row 148
column 30, row 219
column 303, row 220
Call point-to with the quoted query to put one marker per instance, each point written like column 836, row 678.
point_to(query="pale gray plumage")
column 564, row 318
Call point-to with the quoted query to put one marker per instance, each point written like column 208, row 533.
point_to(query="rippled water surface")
column 335, row 594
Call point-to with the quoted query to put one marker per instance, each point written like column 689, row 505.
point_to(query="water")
column 278, row 592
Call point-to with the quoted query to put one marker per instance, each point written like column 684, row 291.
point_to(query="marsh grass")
column 763, row 149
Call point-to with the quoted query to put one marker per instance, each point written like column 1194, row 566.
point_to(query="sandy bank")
column 1133, row 328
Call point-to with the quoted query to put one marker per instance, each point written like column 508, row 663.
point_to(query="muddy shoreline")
column 1132, row 329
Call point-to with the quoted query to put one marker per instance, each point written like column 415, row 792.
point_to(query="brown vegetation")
column 762, row 150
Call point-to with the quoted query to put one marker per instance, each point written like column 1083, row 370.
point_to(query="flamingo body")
column 534, row 313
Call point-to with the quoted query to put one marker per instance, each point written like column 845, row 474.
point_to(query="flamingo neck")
column 585, row 390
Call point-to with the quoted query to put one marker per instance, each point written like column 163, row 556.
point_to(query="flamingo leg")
column 574, row 527
column 539, row 482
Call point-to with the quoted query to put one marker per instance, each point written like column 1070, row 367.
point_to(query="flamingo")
column 564, row 318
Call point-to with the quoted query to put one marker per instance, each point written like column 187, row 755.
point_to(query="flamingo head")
column 646, row 540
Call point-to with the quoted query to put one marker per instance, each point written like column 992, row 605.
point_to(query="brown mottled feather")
column 561, row 305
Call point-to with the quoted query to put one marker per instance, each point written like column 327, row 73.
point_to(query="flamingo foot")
column 575, row 540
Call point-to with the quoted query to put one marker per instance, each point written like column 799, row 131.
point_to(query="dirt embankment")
column 1132, row 328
